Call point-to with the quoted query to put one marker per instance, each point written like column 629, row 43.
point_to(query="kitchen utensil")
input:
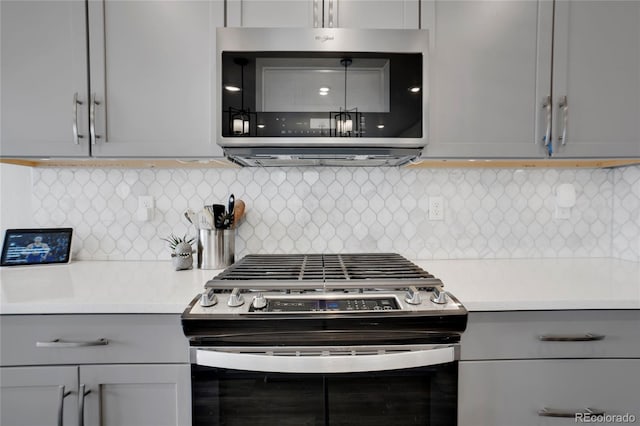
column 205, row 219
column 238, row 212
column 225, row 221
column 218, row 212
column 191, row 216
column 232, row 201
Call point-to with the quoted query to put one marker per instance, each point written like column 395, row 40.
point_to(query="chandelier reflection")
column 240, row 120
column 347, row 121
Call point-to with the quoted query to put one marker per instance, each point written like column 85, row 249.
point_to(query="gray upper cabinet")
column 508, row 80
column 490, row 64
column 327, row 13
column 596, row 79
column 150, row 88
column 43, row 85
column 152, row 76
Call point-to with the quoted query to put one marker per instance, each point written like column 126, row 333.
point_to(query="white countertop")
column 540, row 284
column 481, row 285
column 99, row 287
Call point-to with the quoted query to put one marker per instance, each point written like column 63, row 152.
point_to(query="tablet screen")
column 36, row 246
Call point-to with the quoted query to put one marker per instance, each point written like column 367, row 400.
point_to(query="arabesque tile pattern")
column 488, row 213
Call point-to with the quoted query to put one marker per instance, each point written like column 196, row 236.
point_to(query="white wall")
column 15, row 197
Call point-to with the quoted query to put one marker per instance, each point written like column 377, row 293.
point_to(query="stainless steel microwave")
column 322, row 96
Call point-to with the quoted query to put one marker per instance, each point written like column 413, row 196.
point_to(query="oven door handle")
column 324, row 362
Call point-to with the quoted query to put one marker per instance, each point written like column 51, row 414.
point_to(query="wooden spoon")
column 238, row 212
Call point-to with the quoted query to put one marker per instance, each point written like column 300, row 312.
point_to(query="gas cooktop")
column 323, row 292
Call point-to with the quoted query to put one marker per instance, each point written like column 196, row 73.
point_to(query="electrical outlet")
column 146, row 207
column 145, row 202
column 436, row 208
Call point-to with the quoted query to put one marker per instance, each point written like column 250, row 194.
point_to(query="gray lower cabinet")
column 136, row 395
column 120, row 370
column 118, row 395
column 550, row 368
column 38, row 396
column 533, row 392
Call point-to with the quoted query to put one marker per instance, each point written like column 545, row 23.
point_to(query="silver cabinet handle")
column 76, row 135
column 81, row 397
column 546, row 105
column 330, row 24
column 315, row 13
column 586, row 337
column 59, row 343
column 554, row 412
column 62, row 394
column 92, row 119
column 564, row 105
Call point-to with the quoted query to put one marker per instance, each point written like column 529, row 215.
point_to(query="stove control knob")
column 208, row 298
column 439, row 296
column 259, row 301
column 235, row 298
column 413, row 296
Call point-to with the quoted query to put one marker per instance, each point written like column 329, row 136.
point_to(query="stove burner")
column 324, row 271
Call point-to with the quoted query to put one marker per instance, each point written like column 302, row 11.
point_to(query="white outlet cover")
column 436, row 208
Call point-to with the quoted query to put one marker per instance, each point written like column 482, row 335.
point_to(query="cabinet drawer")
column 568, row 334
column 76, row 339
column 526, row 392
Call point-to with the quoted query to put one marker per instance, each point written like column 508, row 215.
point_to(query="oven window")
column 321, row 94
column 419, row 396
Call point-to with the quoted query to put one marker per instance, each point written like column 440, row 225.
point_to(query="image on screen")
column 25, row 248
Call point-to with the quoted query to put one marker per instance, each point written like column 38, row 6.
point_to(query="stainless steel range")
column 324, row 339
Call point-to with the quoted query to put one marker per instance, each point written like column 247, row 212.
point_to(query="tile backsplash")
column 488, row 213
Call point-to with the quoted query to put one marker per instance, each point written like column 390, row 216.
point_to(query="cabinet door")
column 489, row 73
column 136, row 395
column 396, row 14
column 597, row 68
column 152, row 73
column 37, row 396
column 274, row 13
column 507, row 393
column 44, row 64
column 327, row 13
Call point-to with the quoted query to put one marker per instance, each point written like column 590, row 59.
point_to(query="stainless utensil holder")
column 216, row 248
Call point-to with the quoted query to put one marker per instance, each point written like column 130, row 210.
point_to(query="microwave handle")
column 325, row 363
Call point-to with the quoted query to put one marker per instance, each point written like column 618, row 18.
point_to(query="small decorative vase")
column 182, row 261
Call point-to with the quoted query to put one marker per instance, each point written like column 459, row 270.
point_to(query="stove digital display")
column 329, row 305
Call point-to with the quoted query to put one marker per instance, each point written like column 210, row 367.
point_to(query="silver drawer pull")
column 59, row 343
column 554, row 412
column 586, row 337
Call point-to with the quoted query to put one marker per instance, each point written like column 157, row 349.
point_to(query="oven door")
column 365, row 385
